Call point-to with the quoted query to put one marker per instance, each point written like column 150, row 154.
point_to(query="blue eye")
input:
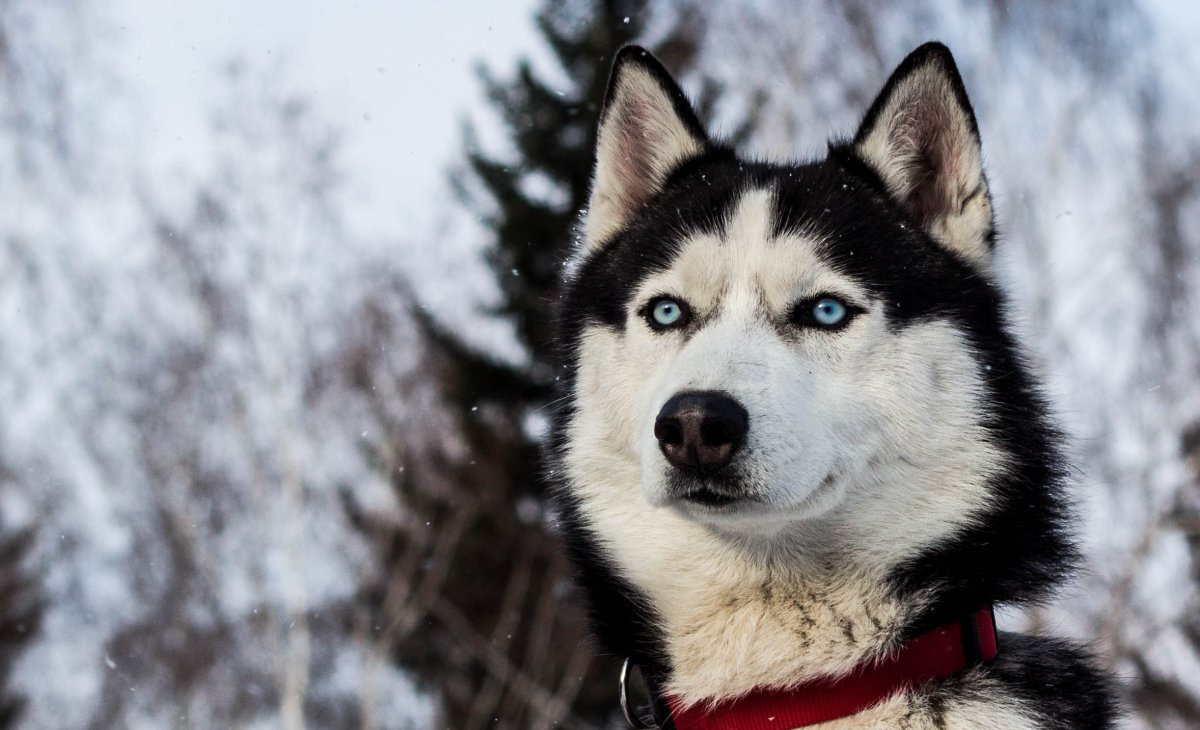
column 666, row 312
column 829, row 312
column 823, row 312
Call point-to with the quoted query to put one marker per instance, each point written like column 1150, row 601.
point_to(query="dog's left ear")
column 921, row 138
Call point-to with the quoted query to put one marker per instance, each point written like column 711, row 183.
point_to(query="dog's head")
column 771, row 349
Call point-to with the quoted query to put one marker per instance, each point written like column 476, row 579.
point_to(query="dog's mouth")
column 709, row 498
column 717, row 491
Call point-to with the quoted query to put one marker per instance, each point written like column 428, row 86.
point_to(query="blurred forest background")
column 263, row 465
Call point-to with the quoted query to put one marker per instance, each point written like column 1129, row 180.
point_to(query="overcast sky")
column 397, row 78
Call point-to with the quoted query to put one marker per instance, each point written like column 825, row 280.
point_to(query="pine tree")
column 483, row 619
column 20, row 615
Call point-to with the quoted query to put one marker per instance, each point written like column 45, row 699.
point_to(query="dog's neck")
column 733, row 625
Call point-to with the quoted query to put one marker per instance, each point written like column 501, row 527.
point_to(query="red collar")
column 939, row 653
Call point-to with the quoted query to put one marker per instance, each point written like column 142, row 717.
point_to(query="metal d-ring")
column 631, row 715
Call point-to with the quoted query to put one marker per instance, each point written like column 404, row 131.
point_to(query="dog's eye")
column 666, row 313
column 823, row 312
column 829, row 312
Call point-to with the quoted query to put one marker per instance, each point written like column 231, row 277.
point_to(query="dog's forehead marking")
column 749, row 265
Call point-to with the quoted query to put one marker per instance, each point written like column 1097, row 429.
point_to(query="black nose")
column 699, row 432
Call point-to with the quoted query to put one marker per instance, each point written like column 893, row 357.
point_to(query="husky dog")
column 797, row 436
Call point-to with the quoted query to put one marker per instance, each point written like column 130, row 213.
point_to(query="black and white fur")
column 898, row 472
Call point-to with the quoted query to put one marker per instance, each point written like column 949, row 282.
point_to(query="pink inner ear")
column 926, row 136
column 633, row 153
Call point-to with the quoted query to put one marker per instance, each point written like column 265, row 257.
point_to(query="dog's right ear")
column 647, row 128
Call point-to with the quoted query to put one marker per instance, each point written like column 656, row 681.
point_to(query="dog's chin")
column 738, row 519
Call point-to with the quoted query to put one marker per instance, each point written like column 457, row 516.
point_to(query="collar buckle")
column 631, row 715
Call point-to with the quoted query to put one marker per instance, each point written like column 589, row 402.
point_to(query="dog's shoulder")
column 1035, row 682
column 1058, row 679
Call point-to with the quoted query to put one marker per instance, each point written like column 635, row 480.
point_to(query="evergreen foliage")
column 20, row 616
